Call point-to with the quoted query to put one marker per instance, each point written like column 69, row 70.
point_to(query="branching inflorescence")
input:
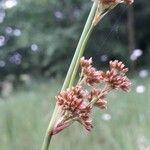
column 75, row 102
column 90, row 91
column 104, row 6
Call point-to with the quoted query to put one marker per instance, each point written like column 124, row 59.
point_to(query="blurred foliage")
column 41, row 36
column 25, row 115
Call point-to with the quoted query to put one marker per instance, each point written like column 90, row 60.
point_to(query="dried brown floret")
column 76, row 103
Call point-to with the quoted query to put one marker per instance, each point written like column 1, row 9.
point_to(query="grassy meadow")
column 125, row 125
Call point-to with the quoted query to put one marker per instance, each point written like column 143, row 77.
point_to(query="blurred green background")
column 37, row 42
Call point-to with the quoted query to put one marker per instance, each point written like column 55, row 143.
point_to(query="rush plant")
column 76, row 101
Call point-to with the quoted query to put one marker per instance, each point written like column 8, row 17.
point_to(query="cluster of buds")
column 76, row 104
column 74, row 108
column 115, row 2
column 116, row 76
column 91, row 75
column 104, row 6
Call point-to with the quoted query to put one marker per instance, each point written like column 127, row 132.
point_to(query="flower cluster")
column 116, row 76
column 114, row 2
column 74, row 108
column 100, row 98
column 104, row 6
column 91, row 75
column 76, row 104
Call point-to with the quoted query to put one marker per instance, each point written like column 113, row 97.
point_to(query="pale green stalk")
column 80, row 45
column 79, row 56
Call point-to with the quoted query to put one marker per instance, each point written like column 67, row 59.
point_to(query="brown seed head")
column 85, row 63
column 116, row 81
column 118, row 66
column 98, row 94
column 114, row 2
column 91, row 75
column 72, row 101
column 93, row 94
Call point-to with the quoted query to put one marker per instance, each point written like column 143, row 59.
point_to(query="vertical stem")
column 46, row 142
column 79, row 56
column 56, row 112
column 79, row 46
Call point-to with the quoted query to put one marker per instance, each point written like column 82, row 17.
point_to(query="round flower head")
column 72, row 103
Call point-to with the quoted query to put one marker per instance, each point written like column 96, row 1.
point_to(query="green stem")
column 48, row 135
column 79, row 46
column 79, row 56
column 57, row 111
column 46, row 142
